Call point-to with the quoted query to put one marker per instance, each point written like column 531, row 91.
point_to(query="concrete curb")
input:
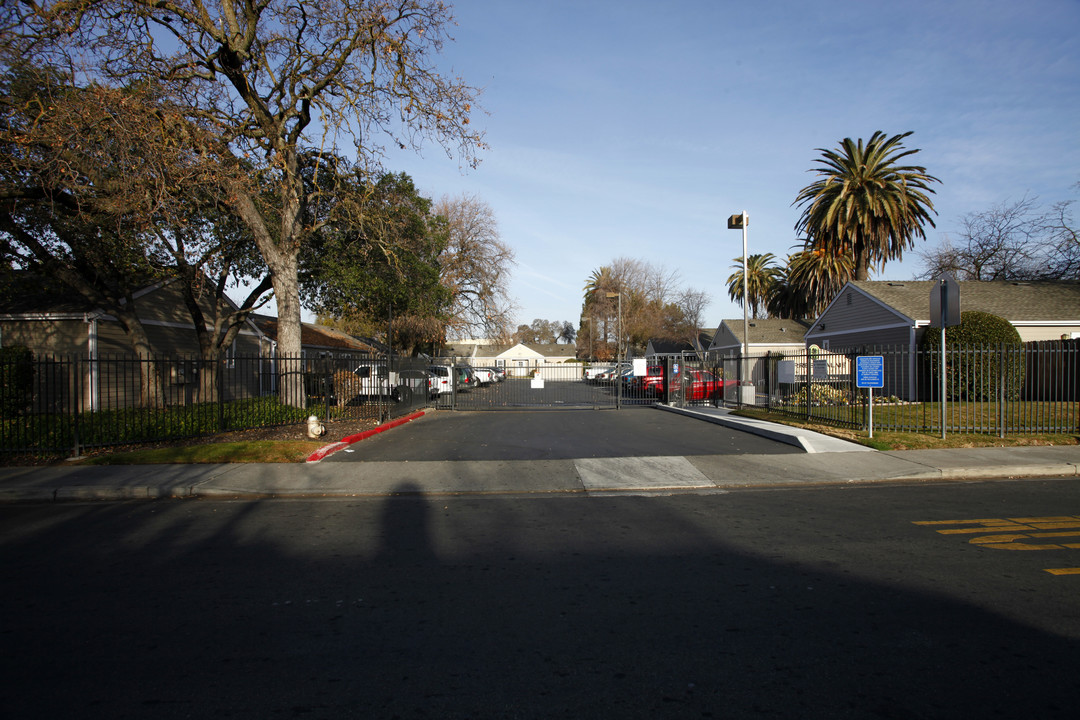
column 773, row 431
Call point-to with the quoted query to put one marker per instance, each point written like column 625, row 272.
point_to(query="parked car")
column 466, row 380
column 642, row 385
column 417, row 382
column 483, row 376
column 697, row 385
column 368, row 380
column 592, row 374
column 497, row 374
column 613, row 375
column 442, row 377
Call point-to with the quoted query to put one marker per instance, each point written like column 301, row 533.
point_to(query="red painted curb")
column 346, row 441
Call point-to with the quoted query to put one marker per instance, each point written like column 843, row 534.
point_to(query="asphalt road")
column 557, row 435
column 810, row 603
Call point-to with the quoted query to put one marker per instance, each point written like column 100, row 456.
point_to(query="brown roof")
column 1014, row 301
column 315, row 336
column 770, row 331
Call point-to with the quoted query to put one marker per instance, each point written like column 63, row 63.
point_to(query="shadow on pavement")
column 410, row 606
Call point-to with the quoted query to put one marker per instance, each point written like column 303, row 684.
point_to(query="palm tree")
column 865, row 204
column 600, row 283
column 814, row 277
column 786, row 301
column 761, row 277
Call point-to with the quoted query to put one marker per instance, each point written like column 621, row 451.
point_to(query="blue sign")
column 870, row 371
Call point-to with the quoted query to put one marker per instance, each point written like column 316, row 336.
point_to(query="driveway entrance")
column 557, row 435
column 559, row 387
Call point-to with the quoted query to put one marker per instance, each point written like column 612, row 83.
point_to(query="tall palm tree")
column 864, row 203
column 761, row 277
column 814, row 277
column 600, row 283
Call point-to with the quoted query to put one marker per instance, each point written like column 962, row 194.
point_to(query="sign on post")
column 870, row 374
column 945, row 303
column 870, row 371
column 944, row 312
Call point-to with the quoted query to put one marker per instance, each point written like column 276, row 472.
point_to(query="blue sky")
column 635, row 128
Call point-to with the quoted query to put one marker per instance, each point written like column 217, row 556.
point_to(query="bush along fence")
column 990, row 389
column 66, row 404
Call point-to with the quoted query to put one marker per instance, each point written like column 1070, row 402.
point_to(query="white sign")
column 641, row 367
column 821, row 369
column 870, row 371
column 785, row 370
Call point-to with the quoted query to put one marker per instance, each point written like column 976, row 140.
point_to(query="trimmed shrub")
column 983, row 360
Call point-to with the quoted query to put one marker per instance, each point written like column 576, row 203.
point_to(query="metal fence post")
column 76, row 402
column 219, row 373
column 809, row 370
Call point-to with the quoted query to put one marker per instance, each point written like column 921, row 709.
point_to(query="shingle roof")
column 770, row 331
column 1014, row 301
column 313, row 336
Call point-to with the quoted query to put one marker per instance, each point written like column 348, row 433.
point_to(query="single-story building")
column 698, row 345
column 62, row 328
column 519, row 359
column 876, row 315
column 768, row 336
column 896, row 313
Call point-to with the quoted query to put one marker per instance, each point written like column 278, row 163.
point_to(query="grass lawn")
column 895, row 440
column 251, row 451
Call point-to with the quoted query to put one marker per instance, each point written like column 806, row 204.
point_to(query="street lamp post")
column 618, row 352
column 739, row 222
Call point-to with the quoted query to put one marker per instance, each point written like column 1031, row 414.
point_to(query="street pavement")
column 822, row 460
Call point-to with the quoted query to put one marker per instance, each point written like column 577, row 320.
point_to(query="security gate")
column 532, row 386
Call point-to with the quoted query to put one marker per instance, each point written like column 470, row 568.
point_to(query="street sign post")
column 870, row 374
column 944, row 312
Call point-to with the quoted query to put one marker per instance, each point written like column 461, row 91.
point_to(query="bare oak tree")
column 1011, row 241
column 279, row 82
column 475, row 267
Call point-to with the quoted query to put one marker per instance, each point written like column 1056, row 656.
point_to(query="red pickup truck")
column 699, row 384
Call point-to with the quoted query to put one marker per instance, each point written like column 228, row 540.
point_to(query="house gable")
column 765, row 334
column 854, row 309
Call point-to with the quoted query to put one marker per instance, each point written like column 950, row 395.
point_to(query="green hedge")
column 987, row 363
column 138, row 425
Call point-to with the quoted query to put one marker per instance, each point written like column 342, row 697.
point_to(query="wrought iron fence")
column 65, row 404
column 996, row 389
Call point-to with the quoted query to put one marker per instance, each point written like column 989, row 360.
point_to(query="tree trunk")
column 150, row 380
column 282, row 259
column 862, row 261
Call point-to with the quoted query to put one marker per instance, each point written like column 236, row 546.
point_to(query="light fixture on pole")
column 618, row 352
column 739, row 222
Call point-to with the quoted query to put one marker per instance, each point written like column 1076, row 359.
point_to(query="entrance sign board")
column 944, row 312
column 870, row 371
column 786, row 371
column 945, row 303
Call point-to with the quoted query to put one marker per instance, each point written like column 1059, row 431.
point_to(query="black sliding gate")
column 555, row 386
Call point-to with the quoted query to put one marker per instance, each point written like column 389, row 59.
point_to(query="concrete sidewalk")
column 826, row 460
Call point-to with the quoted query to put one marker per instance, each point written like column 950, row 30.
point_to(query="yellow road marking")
column 1023, row 533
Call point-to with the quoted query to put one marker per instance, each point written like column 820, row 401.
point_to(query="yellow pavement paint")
column 1022, row 533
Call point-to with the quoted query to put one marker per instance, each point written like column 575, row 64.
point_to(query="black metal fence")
column 66, row 404
column 998, row 389
column 54, row 404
